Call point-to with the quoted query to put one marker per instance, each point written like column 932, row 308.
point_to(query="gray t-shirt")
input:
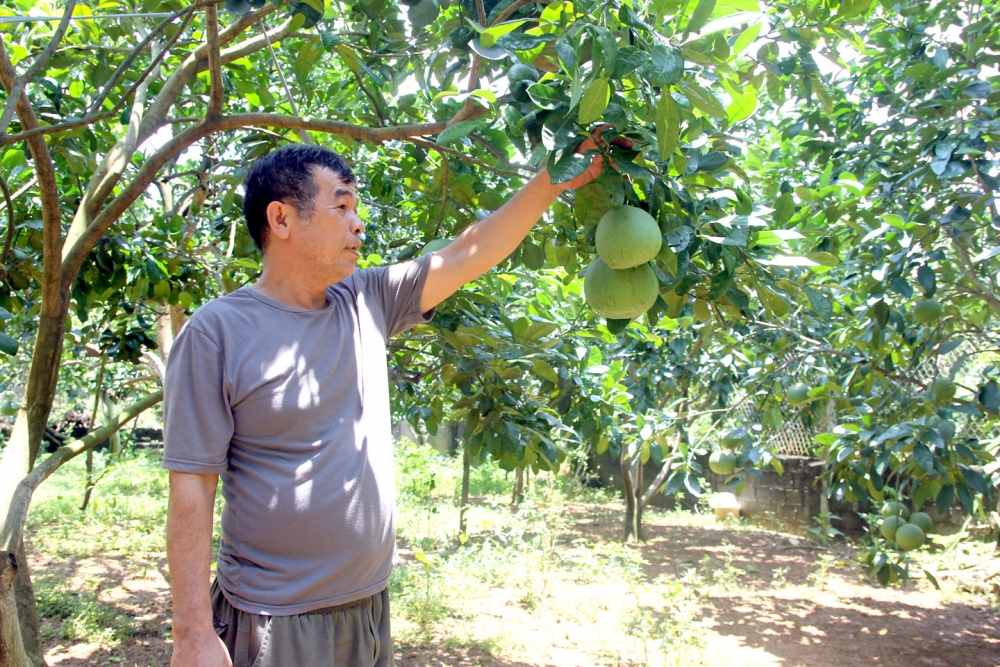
column 291, row 408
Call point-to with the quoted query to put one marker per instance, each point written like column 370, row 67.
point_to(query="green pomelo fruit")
column 620, row 295
column 731, row 439
column 521, row 72
column 943, row 390
column 910, row 536
column 890, row 526
column 923, row 520
column 892, row 508
column 722, row 463
column 797, row 394
column 8, row 408
column 627, row 237
column 434, row 244
column 927, row 311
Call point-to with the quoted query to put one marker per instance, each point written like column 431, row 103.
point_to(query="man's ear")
column 277, row 219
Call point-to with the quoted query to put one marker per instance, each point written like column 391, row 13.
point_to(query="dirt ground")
column 792, row 602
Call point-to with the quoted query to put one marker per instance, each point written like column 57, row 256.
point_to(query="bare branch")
column 14, row 523
column 507, row 13
column 9, row 241
column 215, row 98
column 36, row 67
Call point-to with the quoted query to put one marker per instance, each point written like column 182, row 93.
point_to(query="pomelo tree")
column 804, row 210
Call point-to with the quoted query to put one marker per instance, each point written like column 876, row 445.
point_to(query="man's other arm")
column 190, row 517
column 488, row 242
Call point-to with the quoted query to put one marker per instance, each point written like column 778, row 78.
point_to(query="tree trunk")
column 633, row 509
column 12, row 652
column 27, row 612
column 518, row 495
column 466, row 472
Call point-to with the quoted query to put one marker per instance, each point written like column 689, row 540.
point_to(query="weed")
column 821, row 575
column 79, row 614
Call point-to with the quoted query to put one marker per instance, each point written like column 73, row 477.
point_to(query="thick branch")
column 9, row 240
column 147, row 173
column 660, row 478
column 14, row 525
column 48, row 191
column 36, row 67
column 215, row 98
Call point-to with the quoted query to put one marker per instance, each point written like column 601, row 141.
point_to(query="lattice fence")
column 795, row 438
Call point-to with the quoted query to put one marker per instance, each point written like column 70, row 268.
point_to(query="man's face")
column 329, row 240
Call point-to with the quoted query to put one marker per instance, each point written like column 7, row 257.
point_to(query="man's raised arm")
column 488, row 242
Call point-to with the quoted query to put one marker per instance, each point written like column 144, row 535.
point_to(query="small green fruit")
column 722, row 462
column 923, row 520
column 890, row 526
column 943, row 390
column 8, row 408
column 892, row 508
column 731, row 439
column 910, row 536
column 797, row 394
column 927, row 311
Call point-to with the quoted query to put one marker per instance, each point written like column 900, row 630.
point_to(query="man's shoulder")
column 221, row 313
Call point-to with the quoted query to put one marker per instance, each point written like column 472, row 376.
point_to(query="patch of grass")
column 79, row 614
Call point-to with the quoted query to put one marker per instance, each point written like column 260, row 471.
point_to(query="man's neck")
column 290, row 290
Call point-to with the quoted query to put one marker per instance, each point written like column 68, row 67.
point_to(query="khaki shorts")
column 351, row 635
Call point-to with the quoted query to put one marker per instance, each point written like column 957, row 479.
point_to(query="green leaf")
column 617, row 326
column 630, row 168
column 567, row 164
column 924, row 457
column 927, row 280
column 5, row 314
column 745, row 39
column 519, row 41
column 819, row 302
column 490, row 36
column 700, row 16
column 945, row 498
column 595, row 101
column 545, row 97
column 630, row 59
column 8, row 345
column 423, row 14
column 976, row 480
column 667, row 125
column 665, row 67
column 704, row 100
column 457, row 131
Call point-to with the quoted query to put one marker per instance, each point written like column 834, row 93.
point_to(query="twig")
column 438, row 147
column 382, row 120
column 9, row 241
column 510, row 11
column 139, row 48
column 43, row 58
column 497, row 152
column 444, row 193
column 303, row 135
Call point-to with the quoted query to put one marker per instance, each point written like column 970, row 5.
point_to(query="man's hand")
column 202, row 649
column 592, row 143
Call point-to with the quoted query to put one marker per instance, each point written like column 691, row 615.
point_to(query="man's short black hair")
column 286, row 175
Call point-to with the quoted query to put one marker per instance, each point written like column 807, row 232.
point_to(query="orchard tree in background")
column 815, row 168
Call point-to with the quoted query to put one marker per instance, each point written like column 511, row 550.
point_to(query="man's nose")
column 359, row 226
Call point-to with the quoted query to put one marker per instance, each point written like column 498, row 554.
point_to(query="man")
column 281, row 387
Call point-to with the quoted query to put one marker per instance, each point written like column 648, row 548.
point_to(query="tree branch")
column 9, row 240
column 13, row 526
column 216, row 97
column 18, row 88
column 510, row 11
column 965, row 263
column 452, row 151
column 48, row 192
column 139, row 48
column 75, row 255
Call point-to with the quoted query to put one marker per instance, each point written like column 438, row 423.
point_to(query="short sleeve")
column 397, row 288
column 197, row 417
